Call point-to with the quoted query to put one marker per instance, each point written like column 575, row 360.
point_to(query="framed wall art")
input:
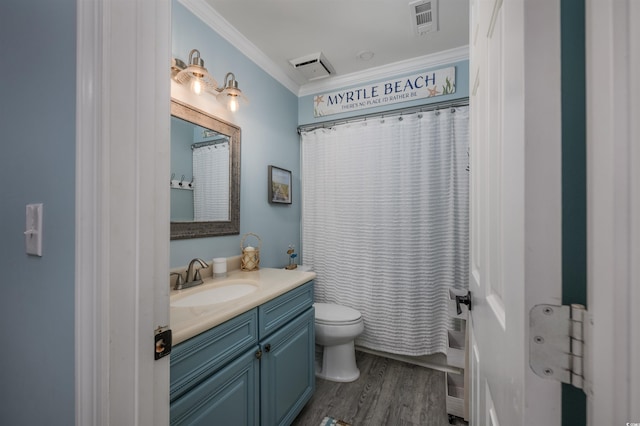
column 279, row 185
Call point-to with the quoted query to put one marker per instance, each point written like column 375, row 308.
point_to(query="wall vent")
column 313, row 67
column 424, row 16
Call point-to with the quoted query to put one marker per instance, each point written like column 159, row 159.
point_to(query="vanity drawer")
column 283, row 309
column 202, row 355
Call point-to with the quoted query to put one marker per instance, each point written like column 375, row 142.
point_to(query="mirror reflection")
column 200, row 173
column 205, row 174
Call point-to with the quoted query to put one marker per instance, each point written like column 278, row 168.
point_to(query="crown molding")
column 387, row 71
column 213, row 19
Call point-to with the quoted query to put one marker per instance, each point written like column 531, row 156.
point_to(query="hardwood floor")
column 388, row 392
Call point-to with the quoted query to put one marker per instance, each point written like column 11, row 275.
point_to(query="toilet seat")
column 332, row 314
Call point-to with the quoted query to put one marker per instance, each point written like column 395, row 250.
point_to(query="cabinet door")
column 229, row 397
column 287, row 370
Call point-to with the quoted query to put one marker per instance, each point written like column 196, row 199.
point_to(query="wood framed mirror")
column 205, row 174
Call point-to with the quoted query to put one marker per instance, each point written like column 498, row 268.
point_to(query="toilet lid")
column 329, row 313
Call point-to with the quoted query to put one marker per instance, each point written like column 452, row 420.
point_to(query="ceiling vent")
column 424, row 16
column 313, row 67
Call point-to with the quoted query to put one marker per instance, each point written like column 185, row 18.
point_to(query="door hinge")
column 557, row 343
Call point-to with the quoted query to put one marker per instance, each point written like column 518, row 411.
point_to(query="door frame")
column 613, row 209
column 122, row 210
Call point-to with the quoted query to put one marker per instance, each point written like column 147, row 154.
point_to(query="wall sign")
column 426, row 84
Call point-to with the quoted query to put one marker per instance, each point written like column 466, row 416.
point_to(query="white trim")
column 122, row 211
column 213, row 19
column 542, row 171
column 613, row 210
column 409, row 66
column 92, row 391
column 634, row 205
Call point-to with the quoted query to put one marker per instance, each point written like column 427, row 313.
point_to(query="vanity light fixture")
column 195, row 74
column 199, row 80
column 231, row 93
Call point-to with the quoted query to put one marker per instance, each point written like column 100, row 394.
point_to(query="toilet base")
column 339, row 363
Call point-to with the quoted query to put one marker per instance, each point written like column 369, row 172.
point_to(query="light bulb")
column 232, row 103
column 196, row 86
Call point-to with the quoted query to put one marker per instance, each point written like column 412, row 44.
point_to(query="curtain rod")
column 391, row 113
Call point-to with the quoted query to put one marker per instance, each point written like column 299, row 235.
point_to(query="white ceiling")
column 273, row 32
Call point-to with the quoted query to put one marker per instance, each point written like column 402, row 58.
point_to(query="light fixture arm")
column 194, row 58
column 229, row 82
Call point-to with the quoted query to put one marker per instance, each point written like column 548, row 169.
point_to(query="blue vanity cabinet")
column 255, row 369
column 287, row 376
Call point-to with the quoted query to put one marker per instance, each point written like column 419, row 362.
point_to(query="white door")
column 515, row 204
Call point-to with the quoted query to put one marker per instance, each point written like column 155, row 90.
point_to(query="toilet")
column 336, row 328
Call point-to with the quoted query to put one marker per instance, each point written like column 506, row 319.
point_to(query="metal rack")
column 459, row 306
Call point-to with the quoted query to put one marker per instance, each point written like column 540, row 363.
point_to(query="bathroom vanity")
column 248, row 361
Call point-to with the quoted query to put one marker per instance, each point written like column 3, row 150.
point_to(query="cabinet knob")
column 258, row 354
column 267, row 347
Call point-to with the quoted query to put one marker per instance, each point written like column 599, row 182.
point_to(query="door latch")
column 162, row 342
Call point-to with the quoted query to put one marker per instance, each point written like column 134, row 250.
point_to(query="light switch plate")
column 33, row 229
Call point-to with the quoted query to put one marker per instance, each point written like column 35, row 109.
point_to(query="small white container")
column 219, row 267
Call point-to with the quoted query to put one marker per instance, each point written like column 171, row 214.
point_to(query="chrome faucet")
column 193, row 277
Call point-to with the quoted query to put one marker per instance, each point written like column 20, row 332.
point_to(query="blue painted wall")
column 37, row 165
column 305, row 105
column 268, row 138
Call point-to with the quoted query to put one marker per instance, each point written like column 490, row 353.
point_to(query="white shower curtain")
column 385, row 223
column 211, row 191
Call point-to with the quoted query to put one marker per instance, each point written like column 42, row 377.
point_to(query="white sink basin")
column 215, row 295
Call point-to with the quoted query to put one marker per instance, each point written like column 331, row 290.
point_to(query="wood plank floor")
column 388, row 392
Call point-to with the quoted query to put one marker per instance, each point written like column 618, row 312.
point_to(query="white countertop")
column 187, row 322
